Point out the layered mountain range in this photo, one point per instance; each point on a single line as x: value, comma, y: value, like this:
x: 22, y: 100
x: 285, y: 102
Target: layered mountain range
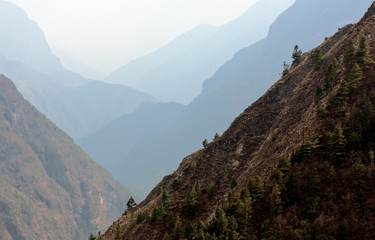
x: 298, y: 163
x: 76, y: 104
x: 176, y: 71
x: 232, y: 88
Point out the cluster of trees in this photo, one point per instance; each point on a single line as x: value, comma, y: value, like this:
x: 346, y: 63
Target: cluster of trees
x: 297, y: 58
x: 321, y: 191
x: 205, y: 142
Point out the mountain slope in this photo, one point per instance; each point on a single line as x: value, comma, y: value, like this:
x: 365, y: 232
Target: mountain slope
x: 241, y: 81
x: 319, y: 120
x: 77, y: 110
x: 110, y: 144
x: 179, y: 76
x: 73, y: 63
x: 30, y: 47
x: 50, y: 189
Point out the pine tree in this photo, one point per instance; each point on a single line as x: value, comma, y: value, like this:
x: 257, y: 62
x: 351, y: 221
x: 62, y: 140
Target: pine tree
x: 313, y: 182
x: 131, y: 204
x: 337, y: 144
x: 256, y: 187
x: 349, y: 56
x: 188, y: 230
x: 205, y: 143
x: 191, y: 199
x: 353, y: 77
x: 276, y: 200
x: 220, y: 225
x: 293, y: 184
x: 216, y: 136
x: 362, y: 54
x: 177, y: 229
x: 332, y: 174
x: 331, y: 73
x: 318, y: 60
x: 285, y: 69
x: 92, y: 237
x: 197, y: 187
x: 297, y: 55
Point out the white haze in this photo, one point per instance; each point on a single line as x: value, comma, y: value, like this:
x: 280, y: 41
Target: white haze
x: 106, y: 34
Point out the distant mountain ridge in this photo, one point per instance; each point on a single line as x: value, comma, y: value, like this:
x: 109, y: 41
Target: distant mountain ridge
x: 49, y: 188
x: 179, y: 76
x: 76, y: 104
x: 30, y: 47
x: 238, y: 83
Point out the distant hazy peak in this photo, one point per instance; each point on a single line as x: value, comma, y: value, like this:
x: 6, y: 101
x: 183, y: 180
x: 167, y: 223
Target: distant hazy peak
x: 22, y: 40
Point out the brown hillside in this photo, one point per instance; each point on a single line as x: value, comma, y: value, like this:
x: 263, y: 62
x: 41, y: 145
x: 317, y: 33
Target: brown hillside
x: 271, y: 128
x: 49, y: 188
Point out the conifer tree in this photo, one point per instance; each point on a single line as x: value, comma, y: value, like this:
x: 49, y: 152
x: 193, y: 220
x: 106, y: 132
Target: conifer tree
x: 317, y: 56
x: 216, y: 136
x: 349, y: 56
x: 331, y: 73
x: 92, y: 237
x: 313, y: 182
x: 293, y: 184
x: 131, y: 204
x: 177, y: 229
x: 332, y: 174
x: 188, y: 210
x: 188, y: 230
x: 276, y: 200
x: 197, y: 187
x: 256, y: 187
x: 205, y: 143
x: 362, y: 54
x: 297, y: 55
x: 337, y: 144
x: 354, y: 76
x: 285, y: 69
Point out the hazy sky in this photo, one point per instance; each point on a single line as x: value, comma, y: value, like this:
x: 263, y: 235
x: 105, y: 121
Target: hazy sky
x: 105, y: 34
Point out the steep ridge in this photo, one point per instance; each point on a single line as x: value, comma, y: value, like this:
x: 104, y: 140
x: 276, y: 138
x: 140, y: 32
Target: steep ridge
x: 179, y: 76
x: 241, y: 81
x: 49, y: 188
x: 319, y: 119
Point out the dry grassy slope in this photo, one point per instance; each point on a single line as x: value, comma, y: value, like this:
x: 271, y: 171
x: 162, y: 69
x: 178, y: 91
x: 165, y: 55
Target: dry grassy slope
x: 270, y: 128
x: 49, y: 188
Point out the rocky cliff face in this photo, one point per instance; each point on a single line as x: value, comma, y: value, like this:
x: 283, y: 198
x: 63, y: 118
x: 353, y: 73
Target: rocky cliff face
x: 49, y: 188
x: 311, y: 100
